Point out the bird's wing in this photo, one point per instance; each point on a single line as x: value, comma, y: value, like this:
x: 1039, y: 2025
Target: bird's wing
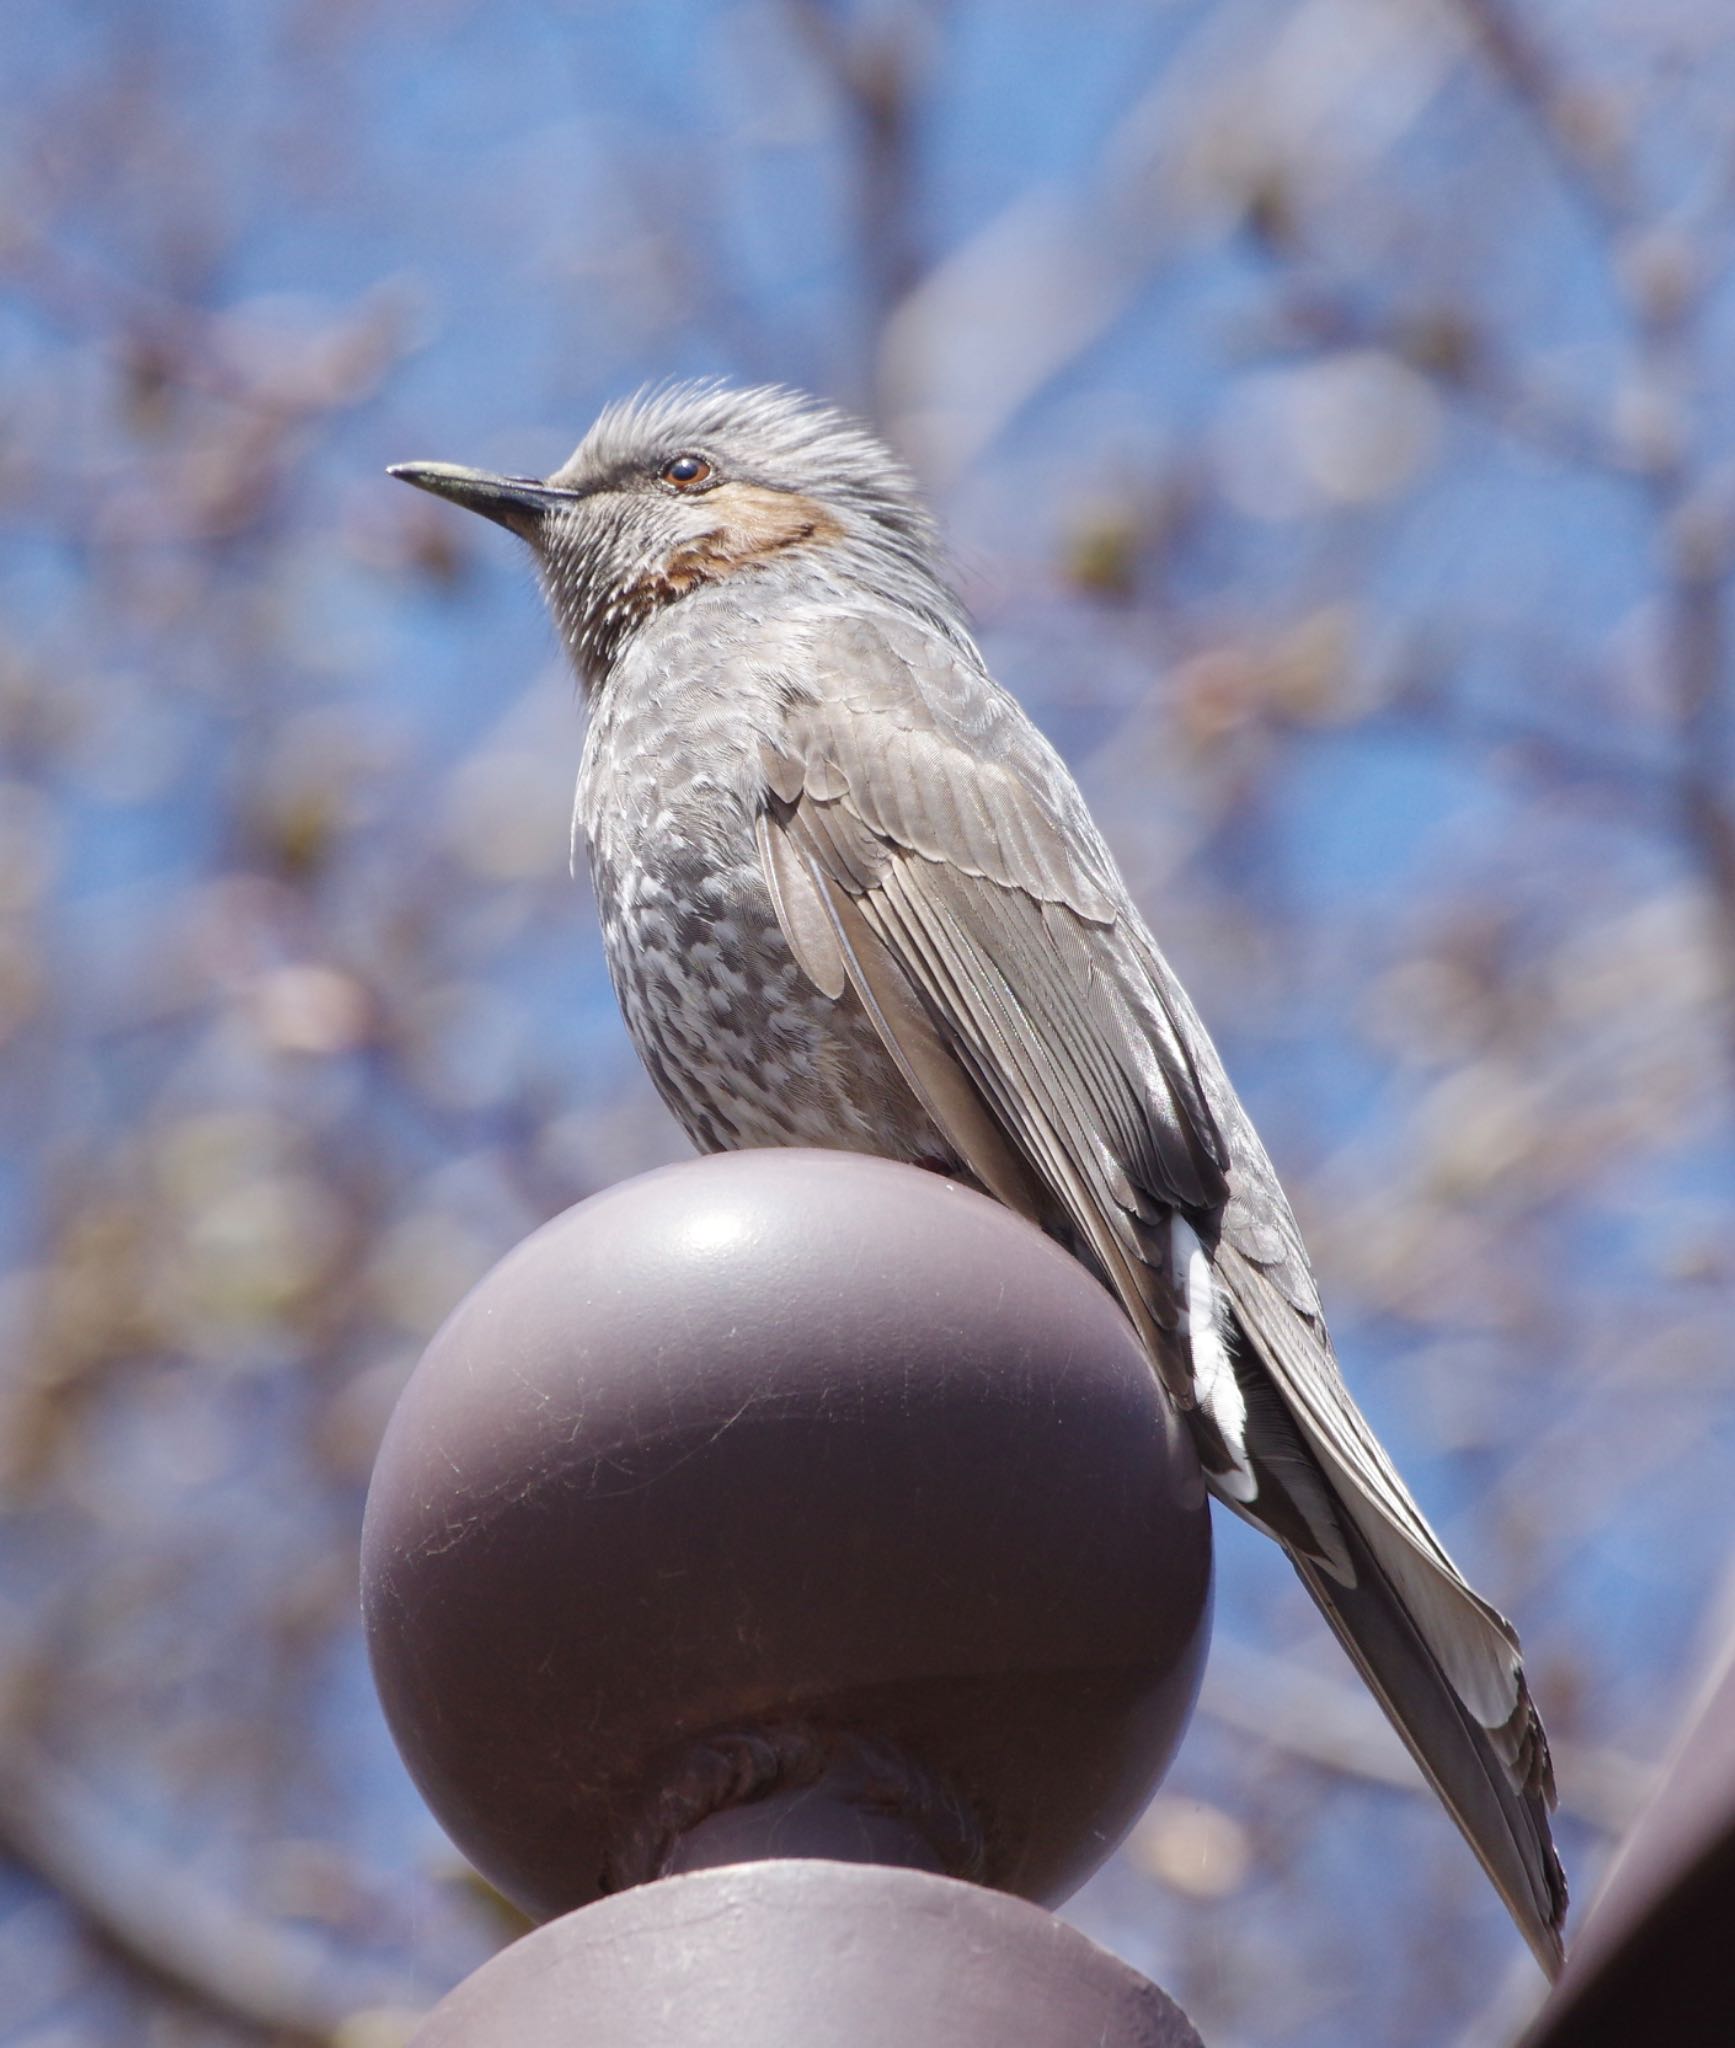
x: 949, y: 871
x: 926, y: 847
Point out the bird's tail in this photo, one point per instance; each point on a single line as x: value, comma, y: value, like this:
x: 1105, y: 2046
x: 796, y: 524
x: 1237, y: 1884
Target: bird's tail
x: 1495, y: 1782
x: 1299, y: 1461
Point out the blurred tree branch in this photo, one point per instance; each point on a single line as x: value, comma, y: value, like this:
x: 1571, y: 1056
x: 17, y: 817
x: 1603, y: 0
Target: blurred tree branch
x: 270, y: 1978
x: 1664, y: 292
x: 876, y: 72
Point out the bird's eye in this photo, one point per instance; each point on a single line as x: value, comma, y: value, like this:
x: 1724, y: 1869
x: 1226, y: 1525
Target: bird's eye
x: 685, y: 471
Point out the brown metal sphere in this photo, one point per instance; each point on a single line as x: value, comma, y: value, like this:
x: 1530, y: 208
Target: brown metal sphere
x: 791, y: 1955
x: 785, y: 1454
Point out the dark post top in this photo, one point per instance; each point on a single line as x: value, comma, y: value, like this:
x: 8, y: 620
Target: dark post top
x: 807, y: 1955
x: 793, y: 1477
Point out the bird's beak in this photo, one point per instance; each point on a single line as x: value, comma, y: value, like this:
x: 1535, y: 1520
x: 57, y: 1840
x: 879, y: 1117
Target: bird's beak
x: 516, y: 502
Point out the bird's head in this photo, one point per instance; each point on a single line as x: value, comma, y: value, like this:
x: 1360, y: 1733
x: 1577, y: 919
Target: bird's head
x: 693, y: 484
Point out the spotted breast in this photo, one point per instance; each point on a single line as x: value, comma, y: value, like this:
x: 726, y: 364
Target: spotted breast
x: 741, y: 1046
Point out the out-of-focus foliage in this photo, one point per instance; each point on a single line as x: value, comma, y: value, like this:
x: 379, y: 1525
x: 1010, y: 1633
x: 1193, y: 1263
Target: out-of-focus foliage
x: 1332, y: 403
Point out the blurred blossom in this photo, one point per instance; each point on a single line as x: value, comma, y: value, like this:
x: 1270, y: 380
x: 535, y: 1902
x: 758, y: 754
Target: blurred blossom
x: 1648, y: 424
x: 1103, y: 550
x: 1303, y: 676
x: 1310, y: 668
x: 1361, y: 425
x: 1346, y: 430
x: 1482, y: 1127
x: 1659, y: 267
x: 1193, y: 1848
x: 311, y: 1009
x: 247, y: 1254
x: 1430, y: 1010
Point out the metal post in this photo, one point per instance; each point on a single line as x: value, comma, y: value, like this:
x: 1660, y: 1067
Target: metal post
x: 779, y: 1570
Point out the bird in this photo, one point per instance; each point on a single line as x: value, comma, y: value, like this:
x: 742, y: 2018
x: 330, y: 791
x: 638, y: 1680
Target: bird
x: 851, y: 897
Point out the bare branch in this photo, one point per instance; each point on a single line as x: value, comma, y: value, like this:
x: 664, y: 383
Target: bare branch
x: 876, y: 75
x: 1697, y: 655
x: 1564, y: 121
x: 200, y: 1943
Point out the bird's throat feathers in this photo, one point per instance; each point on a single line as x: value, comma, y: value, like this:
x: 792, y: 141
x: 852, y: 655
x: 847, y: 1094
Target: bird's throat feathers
x: 752, y: 526
x: 603, y: 589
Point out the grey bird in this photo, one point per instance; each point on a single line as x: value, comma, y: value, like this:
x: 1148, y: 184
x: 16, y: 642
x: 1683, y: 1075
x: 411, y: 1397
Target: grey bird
x: 851, y: 897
